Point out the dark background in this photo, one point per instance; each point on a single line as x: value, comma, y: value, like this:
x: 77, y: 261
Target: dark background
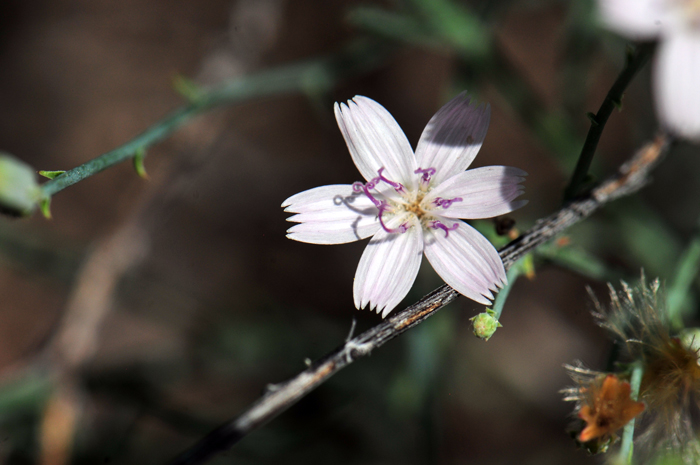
x: 145, y: 313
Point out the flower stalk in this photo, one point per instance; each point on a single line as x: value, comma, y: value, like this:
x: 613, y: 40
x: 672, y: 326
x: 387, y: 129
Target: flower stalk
x: 626, y: 447
x: 486, y: 323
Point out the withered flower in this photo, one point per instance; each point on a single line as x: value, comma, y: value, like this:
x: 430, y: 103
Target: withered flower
x: 608, y: 408
x: 670, y: 386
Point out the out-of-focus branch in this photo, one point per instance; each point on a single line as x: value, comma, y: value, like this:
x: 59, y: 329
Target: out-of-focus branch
x: 78, y: 336
x: 635, y: 61
x: 321, y: 73
x: 686, y: 273
x: 630, y: 177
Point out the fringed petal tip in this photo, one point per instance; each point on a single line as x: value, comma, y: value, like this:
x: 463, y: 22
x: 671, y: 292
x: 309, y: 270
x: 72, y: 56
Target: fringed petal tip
x: 375, y: 140
x: 332, y: 214
x: 466, y: 261
x: 383, y: 311
x: 387, y: 269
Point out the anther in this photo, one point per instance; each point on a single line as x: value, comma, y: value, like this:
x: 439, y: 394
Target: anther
x: 445, y: 203
x: 439, y: 225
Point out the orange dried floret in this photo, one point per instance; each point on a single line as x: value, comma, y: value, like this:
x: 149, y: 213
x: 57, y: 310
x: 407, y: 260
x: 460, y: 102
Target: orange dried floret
x: 607, y: 408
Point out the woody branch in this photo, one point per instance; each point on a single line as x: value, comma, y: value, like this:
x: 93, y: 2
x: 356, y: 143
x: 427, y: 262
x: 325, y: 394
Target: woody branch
x: 630, y: 177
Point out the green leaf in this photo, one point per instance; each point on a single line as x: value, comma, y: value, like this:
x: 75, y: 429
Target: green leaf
x: 45, y: 206
x: 457, y: 26
x: 393, y: 25
x: 138, y: 163
x: 51, y: 174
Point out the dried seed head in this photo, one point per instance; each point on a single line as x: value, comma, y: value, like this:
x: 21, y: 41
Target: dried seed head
x: 670, y: 386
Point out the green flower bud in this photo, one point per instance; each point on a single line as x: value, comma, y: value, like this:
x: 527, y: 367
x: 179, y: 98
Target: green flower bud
x: 485, y: 324
x: 19, y: 190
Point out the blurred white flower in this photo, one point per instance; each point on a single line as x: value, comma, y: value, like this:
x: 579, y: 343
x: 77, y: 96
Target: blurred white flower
x: 676, y: 23
x: 411, y: 203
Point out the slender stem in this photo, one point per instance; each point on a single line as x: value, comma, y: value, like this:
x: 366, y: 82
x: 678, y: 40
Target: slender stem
x: 154, y: 134
x: 513, y: 274
x: 625, y: 456
x: 631, y: 176
x: 682, y: 282
x: 635, y: 62
x: 321, y: 73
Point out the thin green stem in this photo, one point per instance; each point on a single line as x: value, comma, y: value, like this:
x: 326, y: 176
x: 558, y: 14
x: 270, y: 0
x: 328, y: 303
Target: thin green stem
x: 314, y: 75
x: 513, y: 274
x: 486, y: 323
x: 687, y: 271
x: 625, y: 456
x: 635, y: 61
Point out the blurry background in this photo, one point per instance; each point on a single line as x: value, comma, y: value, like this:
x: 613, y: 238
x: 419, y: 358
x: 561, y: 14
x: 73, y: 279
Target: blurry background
x: 145, y: 313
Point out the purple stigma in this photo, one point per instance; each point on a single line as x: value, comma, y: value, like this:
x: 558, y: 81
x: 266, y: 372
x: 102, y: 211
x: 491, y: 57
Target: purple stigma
x: 438, y: 225
x: 446, y: 203
x: 398, y: 187
x: 427, y: 173
x: 381, y: 205
x: 400, y: 230
x: 359, y: 187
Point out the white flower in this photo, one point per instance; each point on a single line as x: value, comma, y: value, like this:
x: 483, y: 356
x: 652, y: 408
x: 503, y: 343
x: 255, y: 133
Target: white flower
x: 676, y: 23
x: 411, y: 202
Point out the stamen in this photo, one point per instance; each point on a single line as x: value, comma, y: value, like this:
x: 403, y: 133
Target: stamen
x: 425, y: 179
x: 445, y: 203
x: 438, y: 225
x: 400, y: 230
x: 398, y: 187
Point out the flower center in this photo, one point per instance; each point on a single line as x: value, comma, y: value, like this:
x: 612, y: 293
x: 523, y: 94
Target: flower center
x: 411, y: 204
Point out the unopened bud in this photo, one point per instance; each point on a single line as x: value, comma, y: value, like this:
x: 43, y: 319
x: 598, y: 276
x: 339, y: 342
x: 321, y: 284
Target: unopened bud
x: 19, y: 190
x: 485, y: 324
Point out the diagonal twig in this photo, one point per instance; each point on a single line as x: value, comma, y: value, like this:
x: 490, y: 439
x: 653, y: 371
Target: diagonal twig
x: 635, y: 62
x: 322, y: 72
x: 630, y: 177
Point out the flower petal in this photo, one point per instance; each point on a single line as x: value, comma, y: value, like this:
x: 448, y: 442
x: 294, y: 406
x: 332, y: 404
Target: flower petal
x: 387, y: 269
x: 453, y: 137
x: 331, y: 215
x: 466, y: 261
x: 636, y: 19
x: 485, y: 192
x: 677, y: 84
x: 376, y: 141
